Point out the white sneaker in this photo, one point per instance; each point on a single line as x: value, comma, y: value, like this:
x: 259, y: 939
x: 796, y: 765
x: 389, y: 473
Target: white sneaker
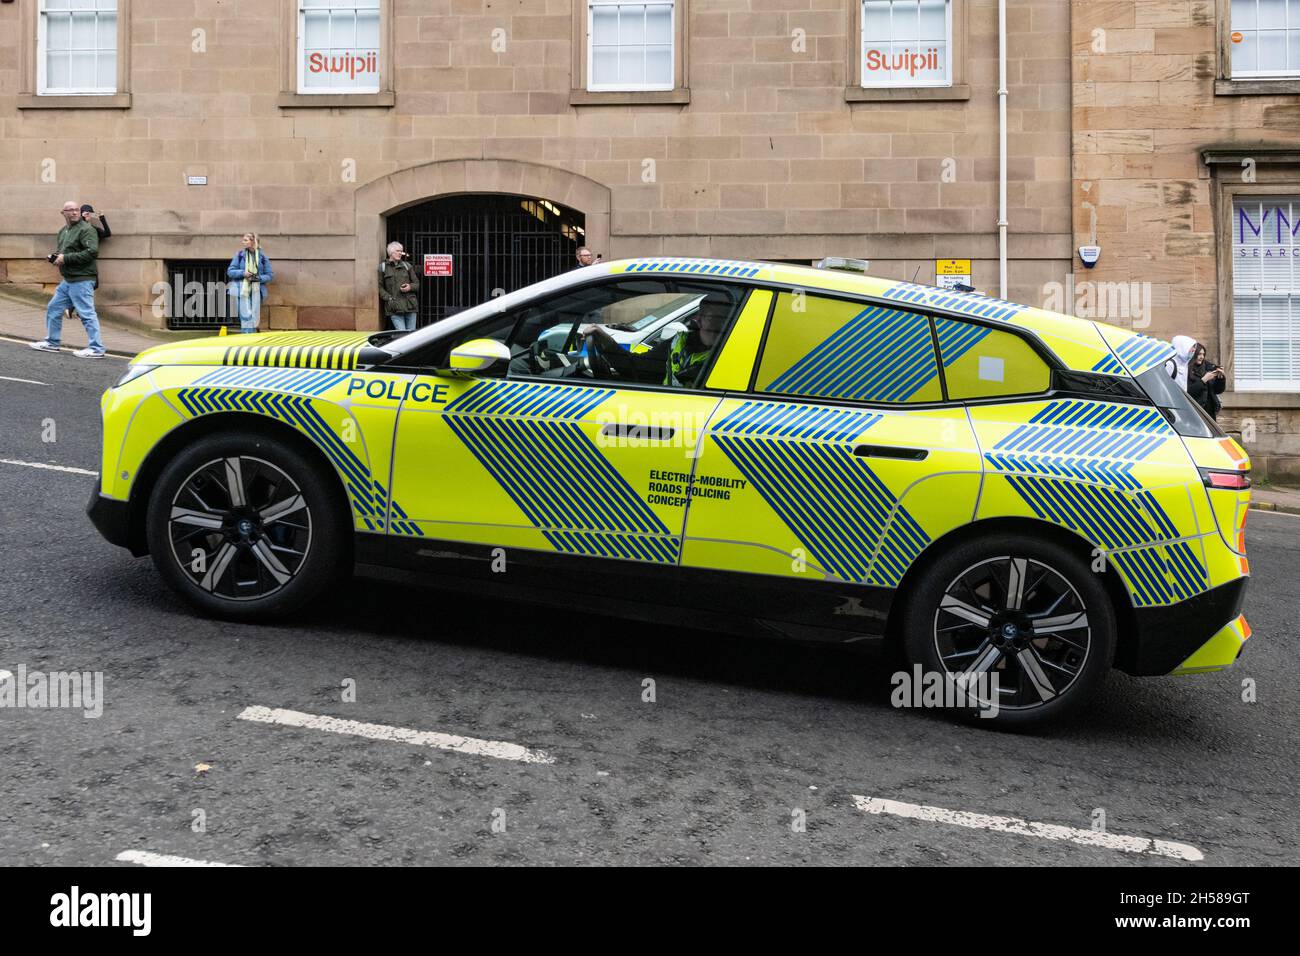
x: 44, y: 346
x: 88, y: 353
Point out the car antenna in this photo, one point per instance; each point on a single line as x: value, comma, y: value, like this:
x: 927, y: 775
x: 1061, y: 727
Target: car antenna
x: 915, y: 274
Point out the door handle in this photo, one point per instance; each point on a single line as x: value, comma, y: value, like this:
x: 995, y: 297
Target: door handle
x: 638, y: 432
x: 891, y: 451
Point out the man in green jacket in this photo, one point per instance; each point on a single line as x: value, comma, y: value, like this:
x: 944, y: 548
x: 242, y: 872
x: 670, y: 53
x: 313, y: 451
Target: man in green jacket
x: 399, y: 288
x: 75, y: 252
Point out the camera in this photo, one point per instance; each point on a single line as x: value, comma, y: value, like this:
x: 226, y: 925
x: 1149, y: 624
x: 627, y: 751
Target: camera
x: 51, y: 257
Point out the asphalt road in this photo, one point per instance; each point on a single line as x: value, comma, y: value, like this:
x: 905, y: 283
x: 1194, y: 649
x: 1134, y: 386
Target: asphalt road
x: 741, y: 737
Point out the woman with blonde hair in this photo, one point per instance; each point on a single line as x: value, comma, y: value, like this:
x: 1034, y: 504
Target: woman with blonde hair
x: 248, y: 274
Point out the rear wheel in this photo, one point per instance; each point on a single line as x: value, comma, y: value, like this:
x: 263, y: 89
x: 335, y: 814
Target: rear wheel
x: 1019, y: 622
x: 245, y: 527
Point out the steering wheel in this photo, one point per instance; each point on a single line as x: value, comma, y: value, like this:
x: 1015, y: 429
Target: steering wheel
x: 607, y: 359
x: 542, y: 358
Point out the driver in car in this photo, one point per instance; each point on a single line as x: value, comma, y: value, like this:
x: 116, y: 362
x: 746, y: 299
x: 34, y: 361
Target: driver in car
x: 683, y: 357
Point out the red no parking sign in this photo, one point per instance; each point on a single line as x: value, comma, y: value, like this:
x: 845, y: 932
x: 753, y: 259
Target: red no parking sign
x: 437, y: 265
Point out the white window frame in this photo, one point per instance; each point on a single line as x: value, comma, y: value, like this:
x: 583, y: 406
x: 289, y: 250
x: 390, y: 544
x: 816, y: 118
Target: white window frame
x: 595, y: 87
x: 303, y: 89
x: 1292, y: 296
x: 1263, y: 74
x: 895, y: 84
x: 42, y: 54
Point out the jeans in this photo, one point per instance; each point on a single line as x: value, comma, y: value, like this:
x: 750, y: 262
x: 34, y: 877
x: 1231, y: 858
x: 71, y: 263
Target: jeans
x: 81, y: 297
x: 250, y: 311
x: 403, y: 321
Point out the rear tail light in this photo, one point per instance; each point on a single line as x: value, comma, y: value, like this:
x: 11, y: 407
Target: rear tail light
x: 1229, y: 480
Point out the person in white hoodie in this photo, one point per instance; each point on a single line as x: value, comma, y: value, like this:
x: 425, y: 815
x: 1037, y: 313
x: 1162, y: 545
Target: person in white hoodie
x: 1184, y: 349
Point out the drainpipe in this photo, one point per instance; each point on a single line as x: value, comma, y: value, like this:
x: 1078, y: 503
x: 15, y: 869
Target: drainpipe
x: 1002, y: 149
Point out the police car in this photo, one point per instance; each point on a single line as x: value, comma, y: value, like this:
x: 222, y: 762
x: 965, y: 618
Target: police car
x: 994, y: 490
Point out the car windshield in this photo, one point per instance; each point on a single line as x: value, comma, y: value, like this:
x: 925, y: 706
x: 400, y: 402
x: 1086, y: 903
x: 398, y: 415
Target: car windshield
x: 1187, y: 417
x: 676, y: 304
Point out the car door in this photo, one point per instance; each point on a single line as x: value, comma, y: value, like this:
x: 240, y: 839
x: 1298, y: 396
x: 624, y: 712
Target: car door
x: 824, y: 481
x: 556, y: 461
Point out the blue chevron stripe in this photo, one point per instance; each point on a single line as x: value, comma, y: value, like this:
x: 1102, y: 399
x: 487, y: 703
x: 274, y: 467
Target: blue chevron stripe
x: 298, y: 411
x: 1102, y: 415
x: 612, y: 545
x: 1102, y: 471
x: 309, y: 381
x: 832, y: 502
x: 880, y: 354
x: 698, y: 266
x: 1162, y: 575
x: 553, y: 473
x: 528, y: 399
x: 957, y: 338
x: 778, y: 420
x: 1110, y: 365
x: 1140, y: 353
x: 966, y: 303
x: 1086, y: 442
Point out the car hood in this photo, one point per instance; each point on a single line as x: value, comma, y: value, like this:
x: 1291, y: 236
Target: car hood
x: 337, y: 350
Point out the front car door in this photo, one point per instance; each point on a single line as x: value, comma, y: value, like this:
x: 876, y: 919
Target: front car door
x: 583, y: 450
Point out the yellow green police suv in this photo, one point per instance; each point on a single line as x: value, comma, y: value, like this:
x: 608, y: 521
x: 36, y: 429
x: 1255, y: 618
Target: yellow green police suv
x: 991, y: 489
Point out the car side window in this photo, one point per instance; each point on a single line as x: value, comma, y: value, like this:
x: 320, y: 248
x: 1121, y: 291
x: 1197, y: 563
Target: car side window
x: 980, y: 362
x: 831, y: 348
x: 646, y: 331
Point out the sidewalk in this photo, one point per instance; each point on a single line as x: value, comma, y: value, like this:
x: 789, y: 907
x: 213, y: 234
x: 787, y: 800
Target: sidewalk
x: 1275, y: 498
x: 23, y: 317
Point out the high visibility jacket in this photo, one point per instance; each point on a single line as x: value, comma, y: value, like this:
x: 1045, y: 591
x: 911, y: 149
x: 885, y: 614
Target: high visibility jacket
x: 685, y: 360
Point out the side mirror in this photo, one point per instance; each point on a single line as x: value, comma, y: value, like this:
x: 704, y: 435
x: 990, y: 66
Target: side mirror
x: 479, y: 357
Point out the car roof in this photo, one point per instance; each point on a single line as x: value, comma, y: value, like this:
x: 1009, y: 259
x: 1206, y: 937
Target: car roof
x: 1079, y: 344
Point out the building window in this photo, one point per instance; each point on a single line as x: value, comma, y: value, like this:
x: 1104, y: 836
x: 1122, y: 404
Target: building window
x: 1265, y: 38
x: 338, y: 46
x: 906, y: 43
x: 1266, y: 293
x: 77, y: 47
x: 630, y: 45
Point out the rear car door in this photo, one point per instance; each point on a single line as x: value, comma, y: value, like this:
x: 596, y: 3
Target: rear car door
x: 833, y: 471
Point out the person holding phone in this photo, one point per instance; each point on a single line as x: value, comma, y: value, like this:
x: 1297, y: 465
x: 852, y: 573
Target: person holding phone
x: 1205, y: 381
x: 248, y: 275
x: 399, y: 289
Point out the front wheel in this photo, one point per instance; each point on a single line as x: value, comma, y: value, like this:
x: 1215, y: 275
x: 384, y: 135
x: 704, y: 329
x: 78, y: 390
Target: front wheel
x: 244, y: 527
x: 1024, y: 625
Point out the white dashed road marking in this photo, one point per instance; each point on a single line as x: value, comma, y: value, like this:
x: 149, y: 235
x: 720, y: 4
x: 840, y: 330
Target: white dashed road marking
x: 25, y: 381
x: 144, y: 858
x: 420, y: 738
x: 37, y: 464
x: 1045, y: 831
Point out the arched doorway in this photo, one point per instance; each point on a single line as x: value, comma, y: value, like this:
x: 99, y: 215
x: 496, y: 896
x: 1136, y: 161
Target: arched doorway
x: 469, y: 245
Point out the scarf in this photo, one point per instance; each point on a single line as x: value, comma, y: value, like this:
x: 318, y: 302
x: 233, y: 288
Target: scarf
x: 252, y: 257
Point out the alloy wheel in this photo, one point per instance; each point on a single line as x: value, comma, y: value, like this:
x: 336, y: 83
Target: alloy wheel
x: 1018, y: 619
x: 239, y: 528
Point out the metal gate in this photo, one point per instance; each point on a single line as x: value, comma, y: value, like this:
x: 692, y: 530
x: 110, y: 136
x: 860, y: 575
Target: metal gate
x: 197, y: 295
x: 495, y: 242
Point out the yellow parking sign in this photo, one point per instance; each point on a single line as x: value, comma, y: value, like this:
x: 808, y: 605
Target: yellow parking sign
x: 951, y: 272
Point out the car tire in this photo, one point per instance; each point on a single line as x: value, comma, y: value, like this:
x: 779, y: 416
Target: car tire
x: 259, y: 552
x: 1051, y: 643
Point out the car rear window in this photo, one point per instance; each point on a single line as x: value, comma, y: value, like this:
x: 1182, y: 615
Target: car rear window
x: 1187, y: 417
